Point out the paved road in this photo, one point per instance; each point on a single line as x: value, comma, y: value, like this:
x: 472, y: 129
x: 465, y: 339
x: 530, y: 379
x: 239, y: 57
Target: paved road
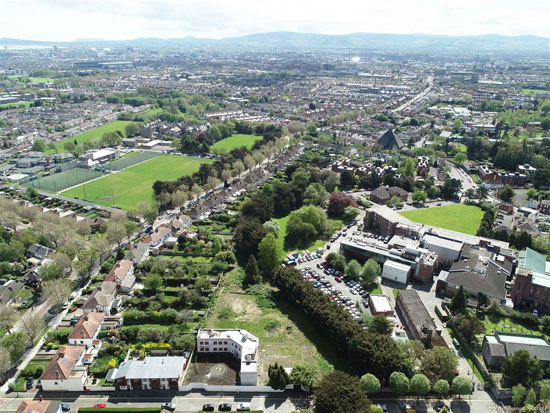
x: 279, y: 403
x: 416, y: 98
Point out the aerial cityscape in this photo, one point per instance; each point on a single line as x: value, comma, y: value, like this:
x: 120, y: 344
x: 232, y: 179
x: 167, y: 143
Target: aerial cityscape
x: 295, y: 207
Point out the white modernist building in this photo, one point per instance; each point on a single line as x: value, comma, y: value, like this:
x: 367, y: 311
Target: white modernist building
x: 396, y: 271
x: 240, y: 343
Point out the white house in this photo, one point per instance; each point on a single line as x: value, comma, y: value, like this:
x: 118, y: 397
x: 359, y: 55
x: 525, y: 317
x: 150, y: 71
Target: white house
x: 66, y: 371
x: 396, y: 271
x: 240, y: 343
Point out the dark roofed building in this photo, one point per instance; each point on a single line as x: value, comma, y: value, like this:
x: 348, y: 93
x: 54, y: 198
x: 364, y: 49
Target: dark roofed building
x: 417, y: 320
x: 477, y: 270
x: 389, y: 141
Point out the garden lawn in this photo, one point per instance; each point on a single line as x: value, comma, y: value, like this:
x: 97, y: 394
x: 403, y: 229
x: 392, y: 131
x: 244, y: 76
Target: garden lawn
x: 457, y: 217
x: 93, y: 134
x: 236, y: 141
x: 126, y: 188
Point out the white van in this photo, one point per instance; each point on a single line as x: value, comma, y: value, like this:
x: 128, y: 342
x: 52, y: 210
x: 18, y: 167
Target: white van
x: 243, y: 407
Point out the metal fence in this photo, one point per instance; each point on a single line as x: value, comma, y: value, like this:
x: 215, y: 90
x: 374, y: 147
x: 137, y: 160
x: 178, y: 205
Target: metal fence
x: 127, y: 161
x: 66, y: 179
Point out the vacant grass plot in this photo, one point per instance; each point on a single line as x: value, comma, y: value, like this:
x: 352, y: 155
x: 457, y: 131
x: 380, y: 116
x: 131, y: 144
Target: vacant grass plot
x: 457, y: 217
x: 235, y: 141
x: 93, y: 135
x: 533, y: 92
x: 286, y: 335
x: 18, y: 105
x: 126, y: 188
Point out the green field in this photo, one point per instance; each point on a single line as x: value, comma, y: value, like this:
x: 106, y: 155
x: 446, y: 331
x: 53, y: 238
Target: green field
x: 457, y: 217
x: 235, y: 141
x: 18, y: 104
x: 32, y: 79
x: 533, y: 92
x: 93, y: 135
x: 126, y: 188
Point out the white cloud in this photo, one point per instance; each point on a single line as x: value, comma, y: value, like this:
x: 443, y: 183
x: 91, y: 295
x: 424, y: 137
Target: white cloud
x: 60, y: 20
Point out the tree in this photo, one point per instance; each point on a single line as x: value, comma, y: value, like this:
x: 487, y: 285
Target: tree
x: 337, y: 203
x: 419, y: 196
x: 132, y: 130
x: 531, y: 397
x: 441, y: 387
x: 370, y: 383
x: 248, y: 235
x: 506, y: 193
x: 304, y: 374
x: 482, y: 192
x: 459, y: 300
x: 49, y: 272
x: 278, y: 378
x: 32, y: 325
x: 461, y: 385
x: 337, y: 261
x: 482, y: 299
x: 5, y: 362
x: 469, y: 327
x: 251, y: 272
x: 269, y: 252
x: 57, y: 292
x: 338, y: 392
x: 16, y: 344
x: 347, y: 178
x: 420, y: 384
x: 153, y: 282
x: 399, y: 383
x: 350, y: 213
x: 39, y: 145
x: 460, y: 158
x: 439, y: 363
x: 214, y: 133
x: 315, y: 194
x: 87, y: 260
x: 520, y: 368
x: 8, y: 316
x: 394, y: 201
x: 69, y: 147
x: 273, y: 227
x: 470, y: 194
x: 115, y: 234
x: 371, y: 271
x: 379, y: 324
x: 545, y: 390
x: 545, y: 124
x: 353, y: 270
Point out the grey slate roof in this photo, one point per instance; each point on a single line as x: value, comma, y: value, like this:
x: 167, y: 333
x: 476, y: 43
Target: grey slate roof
x: 151, y: 368
x: 389, y: 141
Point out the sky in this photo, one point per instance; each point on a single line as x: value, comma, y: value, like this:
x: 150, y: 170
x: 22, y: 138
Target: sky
x: 67, y: 20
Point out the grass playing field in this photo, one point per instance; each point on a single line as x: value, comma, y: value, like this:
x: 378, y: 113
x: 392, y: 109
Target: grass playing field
x: 457, y: 217
x: 126, y: 188
x: 32, y: 79
x: 93, y: 135
x: 533, y: 92
x: 235, y: 141
x: 18, y: 104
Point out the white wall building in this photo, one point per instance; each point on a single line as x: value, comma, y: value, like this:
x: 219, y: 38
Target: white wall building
x: 240, y: 343
x: 396, y: 271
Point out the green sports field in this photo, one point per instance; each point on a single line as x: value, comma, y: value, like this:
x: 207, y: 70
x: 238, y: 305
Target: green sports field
x: 126, y: 188
x: 457, y: 217
x: 533, y: 92
x: 94, y: 134
x: 235, y: 141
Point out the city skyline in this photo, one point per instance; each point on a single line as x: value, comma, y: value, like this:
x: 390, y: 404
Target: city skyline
x: 69, y: 20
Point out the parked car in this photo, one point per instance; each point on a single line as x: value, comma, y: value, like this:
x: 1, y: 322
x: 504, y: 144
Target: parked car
x: 65, y: 407
x: 243, y: 407
x: 168, y: 406
x: 100, y: 405
x: 208, y: 408
x: 409, y: 407
x: 224, y: 407
x: 30, y: 383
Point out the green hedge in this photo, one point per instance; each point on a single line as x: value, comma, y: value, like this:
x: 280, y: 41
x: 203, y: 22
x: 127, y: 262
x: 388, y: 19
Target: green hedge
x: 119, y: 409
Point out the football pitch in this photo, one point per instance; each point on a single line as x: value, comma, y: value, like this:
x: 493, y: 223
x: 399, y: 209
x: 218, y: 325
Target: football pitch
x: 457, y: 217
x: 126, y: 188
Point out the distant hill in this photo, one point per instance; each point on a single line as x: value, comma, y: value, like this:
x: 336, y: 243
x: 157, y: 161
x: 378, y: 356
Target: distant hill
x: 353, y: 41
